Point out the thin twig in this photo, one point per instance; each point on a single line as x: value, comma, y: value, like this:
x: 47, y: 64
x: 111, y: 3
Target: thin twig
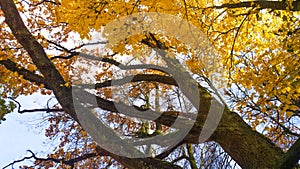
x: 47, y: 110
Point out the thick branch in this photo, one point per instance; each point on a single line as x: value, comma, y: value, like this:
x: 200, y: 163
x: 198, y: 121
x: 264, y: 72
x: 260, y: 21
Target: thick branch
x: 247, y: 147
x: 275, y: 5
x: 28, y: 75
x: 291, y: 157
x: 133, y: 78
x: 191, y: 157
x: 38, y: 55
x: 167, y: 118
x: 62, y: 93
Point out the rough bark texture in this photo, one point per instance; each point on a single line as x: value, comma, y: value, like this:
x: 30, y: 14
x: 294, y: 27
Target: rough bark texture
x: 56, y: 82
x: 247, y: 147
x: 275, y: 5
x: 291, y: 158
x: 38, y: 55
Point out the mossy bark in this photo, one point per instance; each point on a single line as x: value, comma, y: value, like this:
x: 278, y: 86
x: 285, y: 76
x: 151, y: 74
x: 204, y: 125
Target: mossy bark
x: 247, y: 147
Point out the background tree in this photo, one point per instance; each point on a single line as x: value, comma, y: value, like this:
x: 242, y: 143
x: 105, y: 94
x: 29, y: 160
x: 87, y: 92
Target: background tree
x: 258, y: 42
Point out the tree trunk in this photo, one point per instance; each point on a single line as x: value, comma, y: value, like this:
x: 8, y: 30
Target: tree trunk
x: 247, y: 147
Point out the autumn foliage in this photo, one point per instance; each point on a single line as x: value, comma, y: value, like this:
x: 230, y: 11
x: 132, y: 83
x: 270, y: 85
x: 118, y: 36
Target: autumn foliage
x: 258, y: 44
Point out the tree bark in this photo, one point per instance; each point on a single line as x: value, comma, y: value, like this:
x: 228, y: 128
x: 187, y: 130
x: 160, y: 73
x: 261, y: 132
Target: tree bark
x: 56, y: 81
x: 248, y: 148
x: 275, y: 5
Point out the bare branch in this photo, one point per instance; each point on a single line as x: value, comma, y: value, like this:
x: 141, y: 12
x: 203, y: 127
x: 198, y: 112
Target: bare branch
x: 69, y: 162
x: 47, y: 110
x: 62, y: 48
x: 112, y: 61
x: 17, y: 161
x: 234, y: 40
x: 122, y: 66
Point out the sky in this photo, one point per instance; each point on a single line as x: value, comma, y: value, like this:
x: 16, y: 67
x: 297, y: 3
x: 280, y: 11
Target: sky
x: 22, y: 132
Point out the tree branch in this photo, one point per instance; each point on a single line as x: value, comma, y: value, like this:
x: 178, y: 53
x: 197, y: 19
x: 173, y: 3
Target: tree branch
x: 61, y: 92
x: 234, y: 41
x: 47, y: 110
x: 133, y: 78
x: 38, y: 56
x: 102, y: 59
x: 233, y: 134
x: 291, y: 157
x: 62, y: 48
x: 166, y: 118
x: 69, y: 162
x: 122, y: 66
x: 275, y: 5
x: 28, y: 75
x: 249, y: 148
x: 17, y: 161
x: 191, y: 157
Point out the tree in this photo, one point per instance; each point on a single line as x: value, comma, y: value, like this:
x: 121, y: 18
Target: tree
x: 258, y: 42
